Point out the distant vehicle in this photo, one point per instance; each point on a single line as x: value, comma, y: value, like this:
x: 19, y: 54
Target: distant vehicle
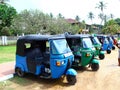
x: 45, y: 56
x: 98, y: 46
x: 105, y: 43
x: 111, y: 42
x: 83, y: 50
x: 114, y: 39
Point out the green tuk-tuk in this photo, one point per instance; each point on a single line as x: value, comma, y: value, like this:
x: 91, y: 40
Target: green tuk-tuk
x: 97, y: 45
x: 83, y: 50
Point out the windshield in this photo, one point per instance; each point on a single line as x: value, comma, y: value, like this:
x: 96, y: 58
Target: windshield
x: 96, y: 41
x: 60, y: 47
x: 111, y: 39
x: 106, y: 41
x: 87, y: 43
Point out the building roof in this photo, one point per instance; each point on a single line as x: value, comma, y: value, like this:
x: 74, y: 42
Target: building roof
x: 71, y: 20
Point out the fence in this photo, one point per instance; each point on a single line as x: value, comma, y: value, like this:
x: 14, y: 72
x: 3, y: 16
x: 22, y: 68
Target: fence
x: 8, y: 40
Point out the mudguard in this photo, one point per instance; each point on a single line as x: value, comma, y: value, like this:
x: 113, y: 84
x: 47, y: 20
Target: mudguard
x: 71, y: 72
x: 102, y: 52
x: 95, y: 61
x: 20, y: 66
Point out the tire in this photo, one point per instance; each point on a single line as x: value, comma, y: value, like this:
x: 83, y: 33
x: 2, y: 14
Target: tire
x: 113, y: 48
x: 19, y: 72
x: 94, y: 66
x: 71, y: 79
x: 101, y: 56
x: 108, y: 51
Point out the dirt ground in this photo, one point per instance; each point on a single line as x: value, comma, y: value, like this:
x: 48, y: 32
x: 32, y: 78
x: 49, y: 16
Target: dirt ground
x: 106, y: 78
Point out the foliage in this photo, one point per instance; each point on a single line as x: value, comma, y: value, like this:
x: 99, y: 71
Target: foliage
x: 101, y: 5
x: 117, y: 21
x: 3, y: 1
x: 91, y: 16
x: 28, y: 22
x: 82, y: 25
x: 77, y: 18
x: 7, y: 13
x: 111, y: 27
x: 35, y: 21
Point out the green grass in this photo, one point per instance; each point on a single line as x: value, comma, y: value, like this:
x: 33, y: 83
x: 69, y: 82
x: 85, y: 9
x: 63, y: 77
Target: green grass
x: 7, y: 53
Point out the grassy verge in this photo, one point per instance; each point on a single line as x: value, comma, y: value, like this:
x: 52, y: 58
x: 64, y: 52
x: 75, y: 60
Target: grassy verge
x: 7, y: 53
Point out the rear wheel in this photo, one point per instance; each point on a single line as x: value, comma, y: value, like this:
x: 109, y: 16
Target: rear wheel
x: 101, y: 56
x: 19, y: 72
x: 113, y: 48
x: 108, y: 51
x: 71, y: 79
x: 94, y: 66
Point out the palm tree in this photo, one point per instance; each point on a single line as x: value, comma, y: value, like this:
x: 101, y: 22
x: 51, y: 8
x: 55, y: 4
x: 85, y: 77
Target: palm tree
x: 77, y: 18
x: 101, y: 5
x: 60, y: 15
x: 91, y: 16
x: 4, y: 1
x: 111, y: 16
x: 51, y: 15
x: 101, y: 16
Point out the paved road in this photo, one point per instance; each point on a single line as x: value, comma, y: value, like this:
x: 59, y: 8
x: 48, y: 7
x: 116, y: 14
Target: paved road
x: 6, y: 69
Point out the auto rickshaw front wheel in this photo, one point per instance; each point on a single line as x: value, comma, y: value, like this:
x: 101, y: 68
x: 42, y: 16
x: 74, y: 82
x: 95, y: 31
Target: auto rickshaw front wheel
x: 71, y: 79
x: 101, y: 56
x: 19, y: 72
x: 108, y: 51
x: 94, y: 66
x: 113, y: 48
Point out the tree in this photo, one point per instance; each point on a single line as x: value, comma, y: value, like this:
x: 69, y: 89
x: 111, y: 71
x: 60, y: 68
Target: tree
x: 35, y: 21
x: 31, y: 22
x: 101, y: 5
x: 91, y: 16
x: 111, y: 16
x: 117, y: 21
x: 60, y: 15
x: 7, y: 13
x: 111, y: 27
x: 51, y: 15
x: 77, y: 18
x: 3, y: 1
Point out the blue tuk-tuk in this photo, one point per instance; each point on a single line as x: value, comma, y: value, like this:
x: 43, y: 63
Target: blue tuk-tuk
x: 45, y: 56
x: 105, y: 43
x: 111, y: 42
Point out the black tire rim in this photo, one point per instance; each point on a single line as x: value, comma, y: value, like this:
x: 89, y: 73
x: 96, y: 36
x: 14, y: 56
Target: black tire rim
x: 101, y: 56
x: 108, y: 51
x: 95, y: 66
x: 19, y: 72
x: 71, y: 79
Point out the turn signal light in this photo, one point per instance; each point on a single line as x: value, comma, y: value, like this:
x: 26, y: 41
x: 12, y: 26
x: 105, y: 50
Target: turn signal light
x: 58, y: 63
x: 88, y: 54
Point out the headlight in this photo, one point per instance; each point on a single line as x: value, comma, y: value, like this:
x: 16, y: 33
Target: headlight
x: 59, y: 63
x: 97, y: 48
x: 87, y: 54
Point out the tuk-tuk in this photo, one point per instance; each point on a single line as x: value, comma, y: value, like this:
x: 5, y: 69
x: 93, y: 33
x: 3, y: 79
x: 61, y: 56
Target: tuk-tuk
x: 105, y: 43
x: 45, y: 56
x: 111, y: 42
x: 98, y: 46
x: 114, y: 39
x: 83, y: 51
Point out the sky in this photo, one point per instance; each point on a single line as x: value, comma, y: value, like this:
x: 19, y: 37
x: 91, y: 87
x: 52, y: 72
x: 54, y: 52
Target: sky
x: 69, y: 8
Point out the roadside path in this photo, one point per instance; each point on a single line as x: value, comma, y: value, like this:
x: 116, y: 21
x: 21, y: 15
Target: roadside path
x: 6, y: 70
